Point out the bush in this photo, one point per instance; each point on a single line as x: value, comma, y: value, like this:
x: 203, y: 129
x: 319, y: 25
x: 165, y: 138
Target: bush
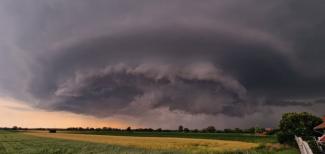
x: 299, y: 124
x: 286, y: 138
x: 313, y: 146
x: 209, y: 129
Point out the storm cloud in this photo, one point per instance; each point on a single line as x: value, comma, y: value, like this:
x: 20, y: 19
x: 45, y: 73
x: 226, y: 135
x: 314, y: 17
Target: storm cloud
x: 159, y: 61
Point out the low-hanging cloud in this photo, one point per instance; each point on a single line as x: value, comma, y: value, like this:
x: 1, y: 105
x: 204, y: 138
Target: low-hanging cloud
x: 196, y: 88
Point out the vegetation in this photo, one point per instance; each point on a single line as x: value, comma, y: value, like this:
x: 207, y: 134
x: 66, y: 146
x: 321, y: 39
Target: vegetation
x: 147, y: 140
x: 157, y: 143
x: 209, y: 129
x: 217, y: 136
x: 17, y: 142
x: 299, y: 124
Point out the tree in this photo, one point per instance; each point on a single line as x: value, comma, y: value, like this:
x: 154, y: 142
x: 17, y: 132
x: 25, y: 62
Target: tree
x: 186, y: 130
x: 209, y: 129
x: 128, y: 129
x: 250, y: 130
x: 238, y: 130
x: 14, y: 128
x: 159, y: 130
x: 228, y: 130
x: 299, y: 124
x: 180, y: 128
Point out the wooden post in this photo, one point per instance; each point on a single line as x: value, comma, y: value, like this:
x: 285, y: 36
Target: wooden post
x: 303, y: 146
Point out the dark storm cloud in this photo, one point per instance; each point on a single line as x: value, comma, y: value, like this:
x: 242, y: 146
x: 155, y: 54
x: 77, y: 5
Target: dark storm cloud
x: 164, y: 58
x: 189, y: 88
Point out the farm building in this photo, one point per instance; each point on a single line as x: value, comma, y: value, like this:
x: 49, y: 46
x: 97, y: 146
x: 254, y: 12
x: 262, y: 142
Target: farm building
x: 321, y: 128
x: 322, y: 139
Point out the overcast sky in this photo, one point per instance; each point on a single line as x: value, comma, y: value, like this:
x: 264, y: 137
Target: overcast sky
x: 227, y: 63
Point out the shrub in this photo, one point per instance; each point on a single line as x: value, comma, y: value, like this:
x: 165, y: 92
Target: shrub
x: 299, y: 124
x: 286, y: 138
x: 313, y: 146
x: 209, y: 129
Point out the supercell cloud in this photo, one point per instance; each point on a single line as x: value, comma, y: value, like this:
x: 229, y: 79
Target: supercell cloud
x: 228, y: 63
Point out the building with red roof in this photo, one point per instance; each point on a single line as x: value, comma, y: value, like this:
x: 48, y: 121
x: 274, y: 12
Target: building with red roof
x: 322, y: 138
x: 321, y: 126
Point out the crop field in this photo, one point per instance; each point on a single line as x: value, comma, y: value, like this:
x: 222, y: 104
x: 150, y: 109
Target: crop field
x: 57, y: 143
x: 157, y: 143
x: 217, y: 136
x: 19, y: 143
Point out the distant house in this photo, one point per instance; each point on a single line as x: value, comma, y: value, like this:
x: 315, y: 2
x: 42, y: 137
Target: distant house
x: 268, y: 129
x: 322, y: 139
x: 321, y: 128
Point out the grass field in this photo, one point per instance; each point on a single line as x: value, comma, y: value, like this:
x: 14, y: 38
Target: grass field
x: 157, y: 143
x: 58, y: 143
x: 19, y: 143
x: 217, y: 136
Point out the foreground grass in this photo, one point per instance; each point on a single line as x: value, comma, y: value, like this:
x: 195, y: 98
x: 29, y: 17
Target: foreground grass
x: 157, y: 143
x: 216, y: 136
x: 16, y: 142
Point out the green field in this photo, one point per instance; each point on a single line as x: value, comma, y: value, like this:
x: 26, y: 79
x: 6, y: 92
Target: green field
x: 217, y: 136
x: 22, y: 143
x: 19, y: 143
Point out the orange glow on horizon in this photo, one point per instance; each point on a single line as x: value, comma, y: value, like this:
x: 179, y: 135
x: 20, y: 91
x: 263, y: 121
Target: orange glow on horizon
x: 16, y: 113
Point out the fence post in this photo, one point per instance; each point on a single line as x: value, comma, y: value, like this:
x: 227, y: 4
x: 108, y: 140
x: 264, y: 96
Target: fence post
x: 303, y: 146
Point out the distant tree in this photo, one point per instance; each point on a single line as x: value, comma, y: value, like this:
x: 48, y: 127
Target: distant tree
x: 159, y: 130
x: 14, y: 128
x: 180, y: 128
x: 52, y: 130
x: 250, y: 130
x: 195, y: 130
x: 228, y: 130
x: 186, y: 130
x: 219, y: 131
x: 80, y: 128
x: 238, y: 130
x: 128, y: 129
x: 299, y: 124
x: 109, y: 129
x: 209, y: 129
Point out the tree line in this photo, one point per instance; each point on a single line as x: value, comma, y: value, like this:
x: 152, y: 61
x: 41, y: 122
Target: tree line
x: 209, y: 129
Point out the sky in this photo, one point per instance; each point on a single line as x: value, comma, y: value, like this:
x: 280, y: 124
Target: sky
x: 160, y: 64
